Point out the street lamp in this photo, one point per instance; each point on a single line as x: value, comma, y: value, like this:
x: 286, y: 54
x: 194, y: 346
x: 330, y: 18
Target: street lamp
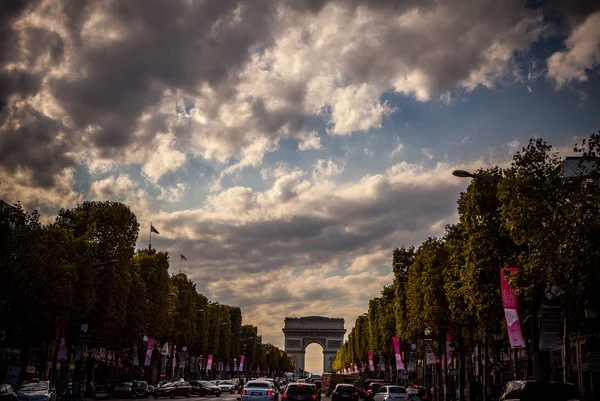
x: 106, y: 262
x: 466, y: 174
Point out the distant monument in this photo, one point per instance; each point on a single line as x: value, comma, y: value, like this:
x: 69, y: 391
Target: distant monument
x: 299, y: 332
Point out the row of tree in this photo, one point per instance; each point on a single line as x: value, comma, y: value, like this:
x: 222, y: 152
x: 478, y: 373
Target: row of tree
x: 529, y: 216
x: 83, y: 269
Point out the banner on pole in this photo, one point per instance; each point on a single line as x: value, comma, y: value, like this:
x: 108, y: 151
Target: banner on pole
x: 510, y: 301
x: 429, y: 354
x: 550, y: 326
x: 449, y: 339
x: 62, y: 349
x: 149, y: 350
x: 399, y: 362
x: 136, y: 361
x: 371, y: 364
x: 209, y: 362
x: 411, y: 361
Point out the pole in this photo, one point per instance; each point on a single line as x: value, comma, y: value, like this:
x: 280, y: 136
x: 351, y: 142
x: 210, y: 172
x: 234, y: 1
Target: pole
x: 150, y: 245
x: 180, y: 264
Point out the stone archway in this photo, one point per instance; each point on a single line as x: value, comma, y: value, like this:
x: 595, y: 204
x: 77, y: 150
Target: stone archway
x: 299, y: 332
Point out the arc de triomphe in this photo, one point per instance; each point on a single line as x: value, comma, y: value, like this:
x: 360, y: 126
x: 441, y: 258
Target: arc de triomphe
x: 299, y: 332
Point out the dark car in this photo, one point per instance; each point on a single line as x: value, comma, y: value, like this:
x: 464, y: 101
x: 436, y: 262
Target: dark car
x: 204, y: 388
x: 371, y: 388
x: 173, y: 390
x: 530, y: 390
x: 124, y: 390
x: 300, y: 392
x: 7, y: 393
x: 344, y: 392
x: 140, y: 389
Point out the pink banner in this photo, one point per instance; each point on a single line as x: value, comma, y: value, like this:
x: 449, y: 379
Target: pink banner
x: 149, y: 350
x: 399, y: 363
x: 355, y: 368
x: 242, y: 359
x: 62, y: 349
x: 209, y: 363
x: 511, y: 309
x: 371, y: 364
x: 449, y: 340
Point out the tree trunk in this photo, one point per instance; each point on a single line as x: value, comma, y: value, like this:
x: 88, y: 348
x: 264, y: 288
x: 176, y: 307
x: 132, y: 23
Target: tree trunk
x: 463, y: 361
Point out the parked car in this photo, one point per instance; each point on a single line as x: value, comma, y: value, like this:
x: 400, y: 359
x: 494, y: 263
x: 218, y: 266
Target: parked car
x: 7, y: 393
x: 36, y: 389
x: 226, y: 386
x: 124, y: 390
x: 259, y: 390
x: 344, y: 392
x: 174, y: 389
x: 530, y: 390
x: 391, y: 393
x: 140, y: 389
x: 301, y: 392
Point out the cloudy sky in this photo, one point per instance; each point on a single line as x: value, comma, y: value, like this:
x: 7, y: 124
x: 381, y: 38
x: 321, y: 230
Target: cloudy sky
x: 285, y: 147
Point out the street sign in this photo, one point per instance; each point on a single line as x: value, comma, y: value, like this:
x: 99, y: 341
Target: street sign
x: 452, y: 371
x: 593, y: 361
x: 404, y: 374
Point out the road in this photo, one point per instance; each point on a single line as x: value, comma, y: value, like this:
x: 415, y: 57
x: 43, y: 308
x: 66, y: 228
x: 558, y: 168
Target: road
x: 223, y: 397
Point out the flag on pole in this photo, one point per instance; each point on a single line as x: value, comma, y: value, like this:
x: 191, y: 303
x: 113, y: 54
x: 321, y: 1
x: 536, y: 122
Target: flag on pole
x: 183, y: 258
x: 153, y: 230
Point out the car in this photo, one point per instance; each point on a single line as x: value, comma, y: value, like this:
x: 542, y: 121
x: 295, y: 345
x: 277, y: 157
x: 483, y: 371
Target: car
x: 124, y: 390
x: 141, y: 389
x: 391, y: 393
x: 301, y: 392
x: 173, y: 390
x: 344, y: 392
x: 7, y: 393
x: 259, y: 390
x: 226, y: 386
x: 371, y: 388
x: 37, y: 390
x: 530, y: 390
x: 204, y: 388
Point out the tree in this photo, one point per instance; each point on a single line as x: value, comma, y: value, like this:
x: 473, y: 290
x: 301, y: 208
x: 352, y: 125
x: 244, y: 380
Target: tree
x: 153, y: 268
x: 111, y: 229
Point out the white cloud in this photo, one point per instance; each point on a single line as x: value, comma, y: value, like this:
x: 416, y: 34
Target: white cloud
x: 173, y: 194
x: 581, y: 56
x: 163, y: 158
x: 513, y: 146
x: 427, y: 153
x: 399, y: 149
x: 327, y: 168
x: 309, y: 140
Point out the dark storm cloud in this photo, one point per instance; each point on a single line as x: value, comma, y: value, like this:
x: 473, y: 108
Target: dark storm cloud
x: 565, y: 14
x: 393, y: 216
x: 32, y: 144
x: 16, y: 81
x: 175, y: 45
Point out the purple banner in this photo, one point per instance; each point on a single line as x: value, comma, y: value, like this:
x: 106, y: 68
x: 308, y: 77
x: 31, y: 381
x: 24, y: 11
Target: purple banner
x: 371, y: 364
x: 149, y: 350
x: 62, y: 349
x: 510, y: 301
x: 399, y: 363
x: 209, y: 363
